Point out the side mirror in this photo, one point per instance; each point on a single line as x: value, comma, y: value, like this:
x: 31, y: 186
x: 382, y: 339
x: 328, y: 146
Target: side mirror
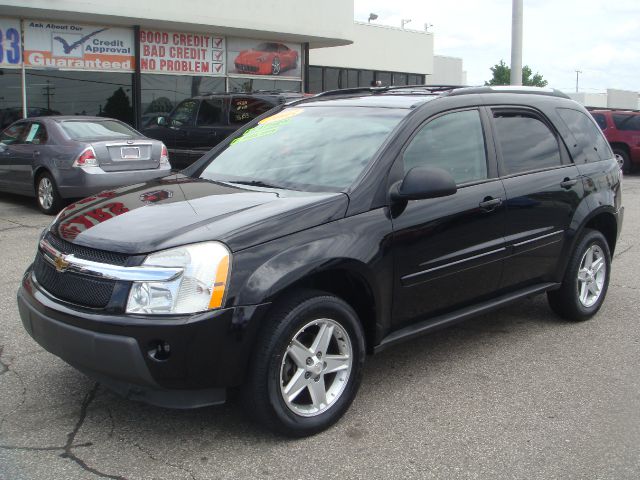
x: 162, y: 121
x: 424, y: 182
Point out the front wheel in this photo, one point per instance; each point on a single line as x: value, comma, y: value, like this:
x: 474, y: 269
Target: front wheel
x: 586, y: 280
x: 307, y: 366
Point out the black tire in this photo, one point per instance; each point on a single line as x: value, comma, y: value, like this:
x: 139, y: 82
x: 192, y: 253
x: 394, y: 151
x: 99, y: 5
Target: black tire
x: 626, y: 161
x: 49, y: 205
x: 276, y: 66
x: 566, y: 300
x: 262, y: 393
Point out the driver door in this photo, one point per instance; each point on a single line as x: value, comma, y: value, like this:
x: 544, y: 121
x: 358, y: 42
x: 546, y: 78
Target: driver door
x: 10, y: 141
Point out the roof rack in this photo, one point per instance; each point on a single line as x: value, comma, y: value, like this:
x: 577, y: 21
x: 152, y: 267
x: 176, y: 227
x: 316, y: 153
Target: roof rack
x: 611, y: 109
x: 425, y: 89
x: 521, y: 89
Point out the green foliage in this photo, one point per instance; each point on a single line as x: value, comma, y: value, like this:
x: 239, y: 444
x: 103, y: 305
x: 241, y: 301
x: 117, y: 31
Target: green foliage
x: 502, y: 76
x: 160, y: 104
x: 118, y: 107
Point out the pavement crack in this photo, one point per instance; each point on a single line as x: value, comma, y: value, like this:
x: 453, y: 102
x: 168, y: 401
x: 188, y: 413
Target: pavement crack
x: 18, y: 225
x: 4, y: 367
x: 152, y: 457
x: 624, y: 286
x: 619, y: 253
x: 42, y: 449
x: 68, y: 447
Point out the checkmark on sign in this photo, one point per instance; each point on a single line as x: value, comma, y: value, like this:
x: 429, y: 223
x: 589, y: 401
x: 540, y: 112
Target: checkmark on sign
x: 218, y: 67
x: 218, y: 55
x: 217, y: 41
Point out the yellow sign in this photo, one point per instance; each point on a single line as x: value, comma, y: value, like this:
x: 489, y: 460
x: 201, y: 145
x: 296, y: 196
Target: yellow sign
x: 283, y: 115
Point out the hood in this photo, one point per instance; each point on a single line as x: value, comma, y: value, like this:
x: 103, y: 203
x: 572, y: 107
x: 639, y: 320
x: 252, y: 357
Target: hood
x: 253, y: 55
x: 178, y: 210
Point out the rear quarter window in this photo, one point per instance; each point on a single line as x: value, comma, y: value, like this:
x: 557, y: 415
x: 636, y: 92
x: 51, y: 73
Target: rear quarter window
x: 600, y: 119
x: 626, y: 122
x: 591, y: 144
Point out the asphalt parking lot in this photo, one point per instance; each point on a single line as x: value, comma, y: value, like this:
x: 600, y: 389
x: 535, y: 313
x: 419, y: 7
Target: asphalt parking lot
x: 515, y: 394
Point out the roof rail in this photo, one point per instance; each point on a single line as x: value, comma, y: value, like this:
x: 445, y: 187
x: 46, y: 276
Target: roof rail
x: 427, y: 89
x: 510, y: 89
x: 611, y: 109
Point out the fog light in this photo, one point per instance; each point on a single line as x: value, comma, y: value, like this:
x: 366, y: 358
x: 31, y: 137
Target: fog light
x: 160, y: 350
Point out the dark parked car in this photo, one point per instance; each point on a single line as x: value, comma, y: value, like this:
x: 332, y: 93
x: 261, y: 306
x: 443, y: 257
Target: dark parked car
x: 198, y: 124
x: 57, y: 158
x: 339, y: 226
x: 622, y: 130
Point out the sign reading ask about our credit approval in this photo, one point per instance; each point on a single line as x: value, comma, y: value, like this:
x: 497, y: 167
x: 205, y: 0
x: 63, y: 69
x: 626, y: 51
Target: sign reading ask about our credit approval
x: 70, y: 46
x: 186, y: 53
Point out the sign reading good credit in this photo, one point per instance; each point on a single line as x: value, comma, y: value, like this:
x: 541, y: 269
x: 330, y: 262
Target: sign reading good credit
x: 184, y: 53
x: 9, y: 42
x: 78, y: 47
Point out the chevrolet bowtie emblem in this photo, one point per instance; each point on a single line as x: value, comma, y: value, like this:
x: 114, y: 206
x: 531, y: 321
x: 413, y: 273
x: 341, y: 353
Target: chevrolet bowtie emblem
x: 60, y: 263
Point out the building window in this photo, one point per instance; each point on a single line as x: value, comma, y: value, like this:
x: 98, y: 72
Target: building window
x: 352, y: 78
x: 103, y: 94
x: 315, y: 79
x: 11, y: 97
x: 331, y: 79
x: 384, y: 78
x: 366, y: 77
x: 247, y: 85
x: 400, y: 79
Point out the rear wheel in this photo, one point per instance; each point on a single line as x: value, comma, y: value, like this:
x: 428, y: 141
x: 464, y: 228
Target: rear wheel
x: 47, y: 196
x: 586, y: 280
x: 307, y: 366
x: 275, y: 66
x: 626, y: 161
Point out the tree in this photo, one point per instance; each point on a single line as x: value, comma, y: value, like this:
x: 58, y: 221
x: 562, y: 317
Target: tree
x: 160, y: 104
x: 502, y: 76
x: 118, y: 106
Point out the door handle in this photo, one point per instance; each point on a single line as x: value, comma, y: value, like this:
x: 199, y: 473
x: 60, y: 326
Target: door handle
x: 36, y: 153
x: 568, y: 182
x: 489, y: 204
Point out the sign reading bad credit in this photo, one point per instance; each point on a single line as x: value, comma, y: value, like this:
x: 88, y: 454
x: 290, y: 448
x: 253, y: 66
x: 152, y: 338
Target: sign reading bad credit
x: 183, y: 53
x: 78, y: 47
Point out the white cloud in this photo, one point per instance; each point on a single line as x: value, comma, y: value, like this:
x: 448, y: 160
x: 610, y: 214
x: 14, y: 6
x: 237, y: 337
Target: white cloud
x: 600, y: 38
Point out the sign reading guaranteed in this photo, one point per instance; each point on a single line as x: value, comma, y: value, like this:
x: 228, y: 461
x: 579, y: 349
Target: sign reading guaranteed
x: 78, y: 47
x: 185, y: 53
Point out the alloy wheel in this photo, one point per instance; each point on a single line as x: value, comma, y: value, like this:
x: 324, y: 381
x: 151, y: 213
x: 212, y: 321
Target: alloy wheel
x: 45, y: 193
x: 316, y: 367
x: 591, y: 275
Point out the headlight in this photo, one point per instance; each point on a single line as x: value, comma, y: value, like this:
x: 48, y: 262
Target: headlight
x: 201, y: 286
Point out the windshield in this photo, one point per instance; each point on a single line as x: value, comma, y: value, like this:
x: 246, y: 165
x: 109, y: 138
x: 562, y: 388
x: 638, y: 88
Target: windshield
x: 267, y: 47
x: 306, y: 148
x: 80, y: 129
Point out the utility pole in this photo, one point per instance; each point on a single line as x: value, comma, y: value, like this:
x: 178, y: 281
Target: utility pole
x: 48, y: 91
x: 578, y: 72
x: 516, y: 43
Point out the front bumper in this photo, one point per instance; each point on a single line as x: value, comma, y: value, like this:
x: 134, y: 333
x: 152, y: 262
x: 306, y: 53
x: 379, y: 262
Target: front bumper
x: 208, y: 353
x: 84, y: 182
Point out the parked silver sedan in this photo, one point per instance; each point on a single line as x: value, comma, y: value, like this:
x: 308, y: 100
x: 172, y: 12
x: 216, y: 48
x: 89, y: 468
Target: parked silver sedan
x: 63, y: 157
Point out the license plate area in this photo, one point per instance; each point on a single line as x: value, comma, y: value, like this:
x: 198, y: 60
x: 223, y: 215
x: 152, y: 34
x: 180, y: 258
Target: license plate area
x: 130, y: 153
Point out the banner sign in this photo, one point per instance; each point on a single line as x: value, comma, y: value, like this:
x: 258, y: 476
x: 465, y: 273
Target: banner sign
x: 9, y: 42
x: 255, y: 57
x: 78, y: 47
x: 183, y: 53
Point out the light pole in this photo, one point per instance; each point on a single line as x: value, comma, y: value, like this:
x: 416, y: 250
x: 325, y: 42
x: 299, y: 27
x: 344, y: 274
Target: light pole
x: 404, y: 21
x: 427, y: 26
x: 372, y: 16
x: 516, y: 43
x: 578, y: 72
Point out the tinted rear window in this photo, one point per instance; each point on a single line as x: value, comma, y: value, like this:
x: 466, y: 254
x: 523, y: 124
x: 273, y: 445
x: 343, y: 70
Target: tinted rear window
x: 625, y: 121
x: 590, y: 140
x: 245, y: 109
x: 81, y: 129
x: 600, y: 120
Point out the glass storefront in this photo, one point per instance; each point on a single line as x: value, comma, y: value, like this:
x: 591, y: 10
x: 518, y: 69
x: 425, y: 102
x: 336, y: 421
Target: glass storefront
x: 10, y: 96
x: 328, y: 78
x: 102, y: 94
x: 263, y: 84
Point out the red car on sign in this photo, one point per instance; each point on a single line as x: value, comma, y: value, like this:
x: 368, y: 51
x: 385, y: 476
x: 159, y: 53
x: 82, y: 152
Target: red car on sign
x: 266, y: 59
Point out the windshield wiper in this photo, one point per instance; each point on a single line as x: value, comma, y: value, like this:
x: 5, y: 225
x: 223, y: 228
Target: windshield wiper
x: 257, y: 183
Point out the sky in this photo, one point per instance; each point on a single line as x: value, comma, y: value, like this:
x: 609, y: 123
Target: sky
x: 599, y: 38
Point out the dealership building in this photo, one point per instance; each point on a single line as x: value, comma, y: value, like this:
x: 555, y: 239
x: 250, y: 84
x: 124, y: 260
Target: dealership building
x: 130, y: 60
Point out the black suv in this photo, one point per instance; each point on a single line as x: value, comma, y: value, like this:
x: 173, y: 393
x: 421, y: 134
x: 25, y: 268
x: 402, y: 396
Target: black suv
x: 198, y: 124
x: 337, y: 226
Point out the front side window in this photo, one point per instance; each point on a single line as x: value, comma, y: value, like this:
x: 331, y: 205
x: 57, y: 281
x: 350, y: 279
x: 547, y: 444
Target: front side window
x: 13, y: 134
x: 589, y: 138
x: 526, y: 142
x: 306, y: 148
x: 453, y: 142
x: 184, y: 114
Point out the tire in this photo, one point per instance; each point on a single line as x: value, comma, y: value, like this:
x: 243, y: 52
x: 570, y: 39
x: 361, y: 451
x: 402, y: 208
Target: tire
x: 305, y: 317
x: 47, y: 196
x: 570, y: 301
x: 276, y: 67
x: 626, y: 161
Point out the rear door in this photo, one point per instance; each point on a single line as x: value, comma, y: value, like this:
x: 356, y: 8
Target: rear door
x: 449, y: 251
x: 209, y: 128
x: 543, y: 189
x: 32, y: 147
